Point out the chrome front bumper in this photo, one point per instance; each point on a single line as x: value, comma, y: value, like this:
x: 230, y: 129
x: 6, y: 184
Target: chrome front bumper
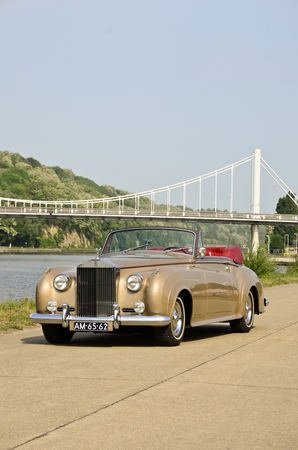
x: 67, y: 320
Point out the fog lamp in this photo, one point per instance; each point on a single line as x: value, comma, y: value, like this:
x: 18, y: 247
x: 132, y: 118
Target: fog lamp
x: 139, y: 307
x: 52, y: 306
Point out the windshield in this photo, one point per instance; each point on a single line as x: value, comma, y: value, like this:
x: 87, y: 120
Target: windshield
x: 153, y: 239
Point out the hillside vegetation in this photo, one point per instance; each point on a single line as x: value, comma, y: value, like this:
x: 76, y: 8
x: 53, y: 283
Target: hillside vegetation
x: 27, y: 178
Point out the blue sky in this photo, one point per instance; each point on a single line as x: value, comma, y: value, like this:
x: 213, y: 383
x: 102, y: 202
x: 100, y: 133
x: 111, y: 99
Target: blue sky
x: 143, y: 94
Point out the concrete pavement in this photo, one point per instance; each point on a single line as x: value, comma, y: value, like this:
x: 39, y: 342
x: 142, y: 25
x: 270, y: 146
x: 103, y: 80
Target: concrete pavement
x: 217, y: 390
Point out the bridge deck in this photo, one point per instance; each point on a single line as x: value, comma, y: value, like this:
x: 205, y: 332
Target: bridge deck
x: 153, y: 215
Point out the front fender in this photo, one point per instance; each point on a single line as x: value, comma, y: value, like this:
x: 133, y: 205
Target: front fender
x: 165, y: 286
x: 45, y: 290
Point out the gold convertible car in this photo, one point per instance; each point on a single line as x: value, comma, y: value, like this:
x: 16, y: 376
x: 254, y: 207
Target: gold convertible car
x: 157, y: 277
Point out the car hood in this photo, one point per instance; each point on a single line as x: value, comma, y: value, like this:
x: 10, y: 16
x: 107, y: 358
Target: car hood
x: 145, y: 259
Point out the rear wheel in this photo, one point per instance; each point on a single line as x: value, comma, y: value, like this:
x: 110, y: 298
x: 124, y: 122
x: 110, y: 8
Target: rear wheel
x: 245, y: 324
x: 173, y: 333
x: 57, y: 334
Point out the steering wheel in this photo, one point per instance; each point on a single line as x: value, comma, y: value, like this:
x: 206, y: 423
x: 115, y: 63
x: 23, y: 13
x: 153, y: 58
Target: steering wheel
x: 178, y: 248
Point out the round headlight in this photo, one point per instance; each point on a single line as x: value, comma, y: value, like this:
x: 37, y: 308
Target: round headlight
x: 61, y: 282
x: 134, y: 282
x: 52, y: 306
x: 139, y: 307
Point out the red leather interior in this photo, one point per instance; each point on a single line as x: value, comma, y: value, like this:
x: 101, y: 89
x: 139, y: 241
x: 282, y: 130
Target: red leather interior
x: 233, y: 252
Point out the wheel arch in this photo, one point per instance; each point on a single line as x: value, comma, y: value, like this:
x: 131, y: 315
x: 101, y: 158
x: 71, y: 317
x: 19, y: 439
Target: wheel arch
x: 252, y: 285
x: 186, y: 297
x: 255, y: 294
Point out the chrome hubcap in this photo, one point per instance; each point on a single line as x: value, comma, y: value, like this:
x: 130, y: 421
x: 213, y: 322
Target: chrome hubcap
x: 177, y: 319
x: 248, y: 310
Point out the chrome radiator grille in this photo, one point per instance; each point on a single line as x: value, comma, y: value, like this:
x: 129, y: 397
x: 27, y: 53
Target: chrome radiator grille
x: 96, y: 290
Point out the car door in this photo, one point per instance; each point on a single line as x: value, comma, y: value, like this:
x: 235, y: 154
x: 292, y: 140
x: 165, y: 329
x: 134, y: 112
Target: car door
x: 220, y: 289
x: 199, y: 294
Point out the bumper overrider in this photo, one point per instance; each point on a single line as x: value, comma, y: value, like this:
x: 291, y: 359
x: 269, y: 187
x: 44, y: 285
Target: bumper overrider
x: 113, y: 322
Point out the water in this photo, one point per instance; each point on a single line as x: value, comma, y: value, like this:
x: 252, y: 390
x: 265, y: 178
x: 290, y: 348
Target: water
x: 281, y: 269
x: 19, y: 274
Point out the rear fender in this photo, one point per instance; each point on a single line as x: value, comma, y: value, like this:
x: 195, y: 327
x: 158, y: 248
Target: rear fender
x: 250, y: 284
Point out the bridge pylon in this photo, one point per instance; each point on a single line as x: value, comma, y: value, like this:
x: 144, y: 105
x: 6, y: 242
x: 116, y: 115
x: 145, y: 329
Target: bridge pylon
x: 255, y: 196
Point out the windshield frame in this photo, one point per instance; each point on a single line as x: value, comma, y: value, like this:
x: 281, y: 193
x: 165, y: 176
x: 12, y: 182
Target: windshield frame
x: 107, y: 242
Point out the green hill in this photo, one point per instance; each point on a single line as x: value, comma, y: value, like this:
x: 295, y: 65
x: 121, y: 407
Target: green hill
x: 26, y: 178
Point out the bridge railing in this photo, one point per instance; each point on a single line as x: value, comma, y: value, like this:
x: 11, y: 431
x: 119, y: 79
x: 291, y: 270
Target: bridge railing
x: 113, y: 213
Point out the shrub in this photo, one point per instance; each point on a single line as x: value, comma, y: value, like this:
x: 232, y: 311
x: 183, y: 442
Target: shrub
x: 260, y: 262
x: 293, y: 268
x: 48, y: 242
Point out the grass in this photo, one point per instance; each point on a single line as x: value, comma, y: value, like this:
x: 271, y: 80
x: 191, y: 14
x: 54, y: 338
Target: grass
x: 14, y: 314
x: 277, y: 279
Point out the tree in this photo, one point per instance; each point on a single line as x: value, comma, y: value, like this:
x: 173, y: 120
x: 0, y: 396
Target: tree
x: 28, y: 231
x: 276, y: 242
x: 7, y: 231
x: 285, y: 205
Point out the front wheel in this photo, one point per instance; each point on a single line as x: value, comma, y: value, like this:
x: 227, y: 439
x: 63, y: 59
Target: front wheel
x: 245, y: 324
x: 56, y: 334
x: 173, y: 333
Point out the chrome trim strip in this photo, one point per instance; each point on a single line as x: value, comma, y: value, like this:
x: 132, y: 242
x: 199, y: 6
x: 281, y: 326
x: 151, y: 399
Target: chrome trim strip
x: 157, y: 321
x: 218, y: 320
x: 212, y: 260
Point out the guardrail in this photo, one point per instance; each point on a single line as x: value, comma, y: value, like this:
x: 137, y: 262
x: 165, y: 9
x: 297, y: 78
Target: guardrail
x: 142, y: 214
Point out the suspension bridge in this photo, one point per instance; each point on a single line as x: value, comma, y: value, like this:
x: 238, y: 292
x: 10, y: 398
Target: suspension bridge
x: 127, y: 207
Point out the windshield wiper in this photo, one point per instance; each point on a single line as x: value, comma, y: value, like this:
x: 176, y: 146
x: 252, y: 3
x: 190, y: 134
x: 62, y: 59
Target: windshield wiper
x: 147, y: 242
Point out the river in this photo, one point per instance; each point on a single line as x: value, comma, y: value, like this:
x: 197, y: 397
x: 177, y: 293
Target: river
x: 19, y: 274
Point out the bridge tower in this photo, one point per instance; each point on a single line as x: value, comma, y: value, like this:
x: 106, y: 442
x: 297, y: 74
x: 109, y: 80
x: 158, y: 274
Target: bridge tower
x: 255, y: 196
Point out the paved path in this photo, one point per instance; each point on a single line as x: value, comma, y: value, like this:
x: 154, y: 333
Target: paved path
x: 217, y: 390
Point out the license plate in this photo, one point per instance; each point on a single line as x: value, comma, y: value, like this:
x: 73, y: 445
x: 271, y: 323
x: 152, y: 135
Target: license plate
x: 91, y: 326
